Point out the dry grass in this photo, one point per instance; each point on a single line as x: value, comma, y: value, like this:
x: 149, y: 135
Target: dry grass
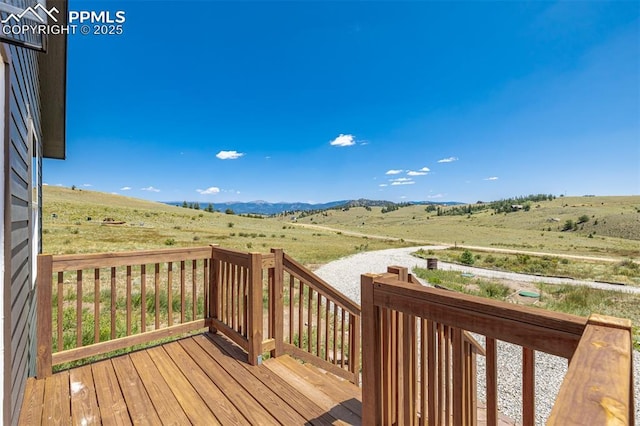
x: 150, y: 225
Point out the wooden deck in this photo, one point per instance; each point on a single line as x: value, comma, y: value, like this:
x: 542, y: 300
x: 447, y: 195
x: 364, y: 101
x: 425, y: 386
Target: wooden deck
x: 203, y: 379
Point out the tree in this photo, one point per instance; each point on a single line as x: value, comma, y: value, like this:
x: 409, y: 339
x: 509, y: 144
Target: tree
x: 568, y: 225
x: 229, y: 211
x: 466, y: 258
x: 185, y: 205
x: 196, y: 206
x: 209, y: 208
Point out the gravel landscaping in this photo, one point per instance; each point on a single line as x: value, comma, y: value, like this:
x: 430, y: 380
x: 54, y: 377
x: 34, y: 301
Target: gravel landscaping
x: 344, y: 274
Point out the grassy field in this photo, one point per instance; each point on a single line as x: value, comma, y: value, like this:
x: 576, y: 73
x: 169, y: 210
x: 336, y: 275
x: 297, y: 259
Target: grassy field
x: 73, y: 222
x: 78, y: 227
x: 612, y: 229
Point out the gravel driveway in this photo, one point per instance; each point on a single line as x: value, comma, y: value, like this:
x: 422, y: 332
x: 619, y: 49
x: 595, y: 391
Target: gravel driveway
x: 344, y: 275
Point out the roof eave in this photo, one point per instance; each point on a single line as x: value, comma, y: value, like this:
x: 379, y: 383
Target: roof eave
x: 53, y: 88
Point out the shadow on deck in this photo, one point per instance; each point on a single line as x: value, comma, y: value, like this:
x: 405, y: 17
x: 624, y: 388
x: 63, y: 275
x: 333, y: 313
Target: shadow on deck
x: 204, y: 379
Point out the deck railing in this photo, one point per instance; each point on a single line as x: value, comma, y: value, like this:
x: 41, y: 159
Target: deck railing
x: 91, y: 304
x: 597, y: 388
x: 323, y: 325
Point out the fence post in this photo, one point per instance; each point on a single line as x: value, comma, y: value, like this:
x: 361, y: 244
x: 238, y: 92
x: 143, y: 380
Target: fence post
x: 44, y: 322
x: 254, y: 331
x: 214, y: 285
x: 371, y: 357
x: 276, y: 302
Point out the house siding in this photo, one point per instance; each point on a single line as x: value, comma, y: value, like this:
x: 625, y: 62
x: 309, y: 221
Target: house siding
x: 24, y: 99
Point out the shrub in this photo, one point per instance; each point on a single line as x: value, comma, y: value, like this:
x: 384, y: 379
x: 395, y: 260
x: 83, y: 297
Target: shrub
x: 466, y: 258
x: 583, y: 219
x: 169, y: 242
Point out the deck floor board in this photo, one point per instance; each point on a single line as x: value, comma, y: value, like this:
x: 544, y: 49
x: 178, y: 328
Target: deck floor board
x: 203, y: 379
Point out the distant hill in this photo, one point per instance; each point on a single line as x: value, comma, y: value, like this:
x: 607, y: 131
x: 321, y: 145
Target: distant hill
x: 266, y: 208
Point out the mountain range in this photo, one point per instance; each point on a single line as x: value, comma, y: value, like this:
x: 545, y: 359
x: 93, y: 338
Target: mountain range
x: 267, y: 208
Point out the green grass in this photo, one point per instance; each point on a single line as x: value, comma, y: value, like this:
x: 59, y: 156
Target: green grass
x: 624, y: 271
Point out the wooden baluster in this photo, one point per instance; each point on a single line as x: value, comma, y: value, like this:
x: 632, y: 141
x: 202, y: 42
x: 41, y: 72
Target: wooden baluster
x: 432, y: 373
x: 335, y: 334
x: 156, y: 282
x: 342, y: 339
x: 492, y: 381
x: 457, y: 366
x: 318, y: 325
x: 60, y: 311
x: 424, y: 386
x: 310, y: 320
x: 114, y: 299
x: 182, y: 295
x: 387, y: 365
x: 96, y: 305
x: 245, y: 297
x: 300, y: 315
x: 291, y: 306
x: 128, y: 300
x: 354, y: 348
x: 143, y: 298
x: 528, y: 387
x: 233, y: 291
x: 79, y: 309
x: 194, y: 289
x: 327, y: 323
x: 205, y: 288
x: 170, y: 293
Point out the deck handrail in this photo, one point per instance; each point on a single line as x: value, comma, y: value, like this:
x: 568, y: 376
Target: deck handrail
x: 565, y: 335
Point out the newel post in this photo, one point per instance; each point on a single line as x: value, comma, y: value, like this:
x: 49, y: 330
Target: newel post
x: 214, y: 285
x: 276, y: 302
x: 254, y: 311
x: 44, y: 337
x: 371, y: 357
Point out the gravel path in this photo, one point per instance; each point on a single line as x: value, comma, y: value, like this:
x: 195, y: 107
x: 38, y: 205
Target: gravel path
x: 344, y: 274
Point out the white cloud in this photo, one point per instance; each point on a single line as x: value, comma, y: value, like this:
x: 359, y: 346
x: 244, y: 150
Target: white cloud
x: 125, y: 188
x: 229, y: 155
x: 210, y: 190
x: 412, y: 173
x: 343, y: 140
x: 45, y: 184
x: 435, y: 196
x: 402, y: 181
x: 425, y: 169
x: 492, y: 178
x: 150, y: 189
x: 448, y: 160
x: 382, y: 185
x: 394, y: 172
x: 87, y: 185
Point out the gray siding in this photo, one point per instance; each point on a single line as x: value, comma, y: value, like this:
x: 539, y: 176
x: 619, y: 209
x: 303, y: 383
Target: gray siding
x: 24, y: 91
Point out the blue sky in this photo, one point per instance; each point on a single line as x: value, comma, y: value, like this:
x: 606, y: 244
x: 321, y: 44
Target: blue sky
x: 321, y: 101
